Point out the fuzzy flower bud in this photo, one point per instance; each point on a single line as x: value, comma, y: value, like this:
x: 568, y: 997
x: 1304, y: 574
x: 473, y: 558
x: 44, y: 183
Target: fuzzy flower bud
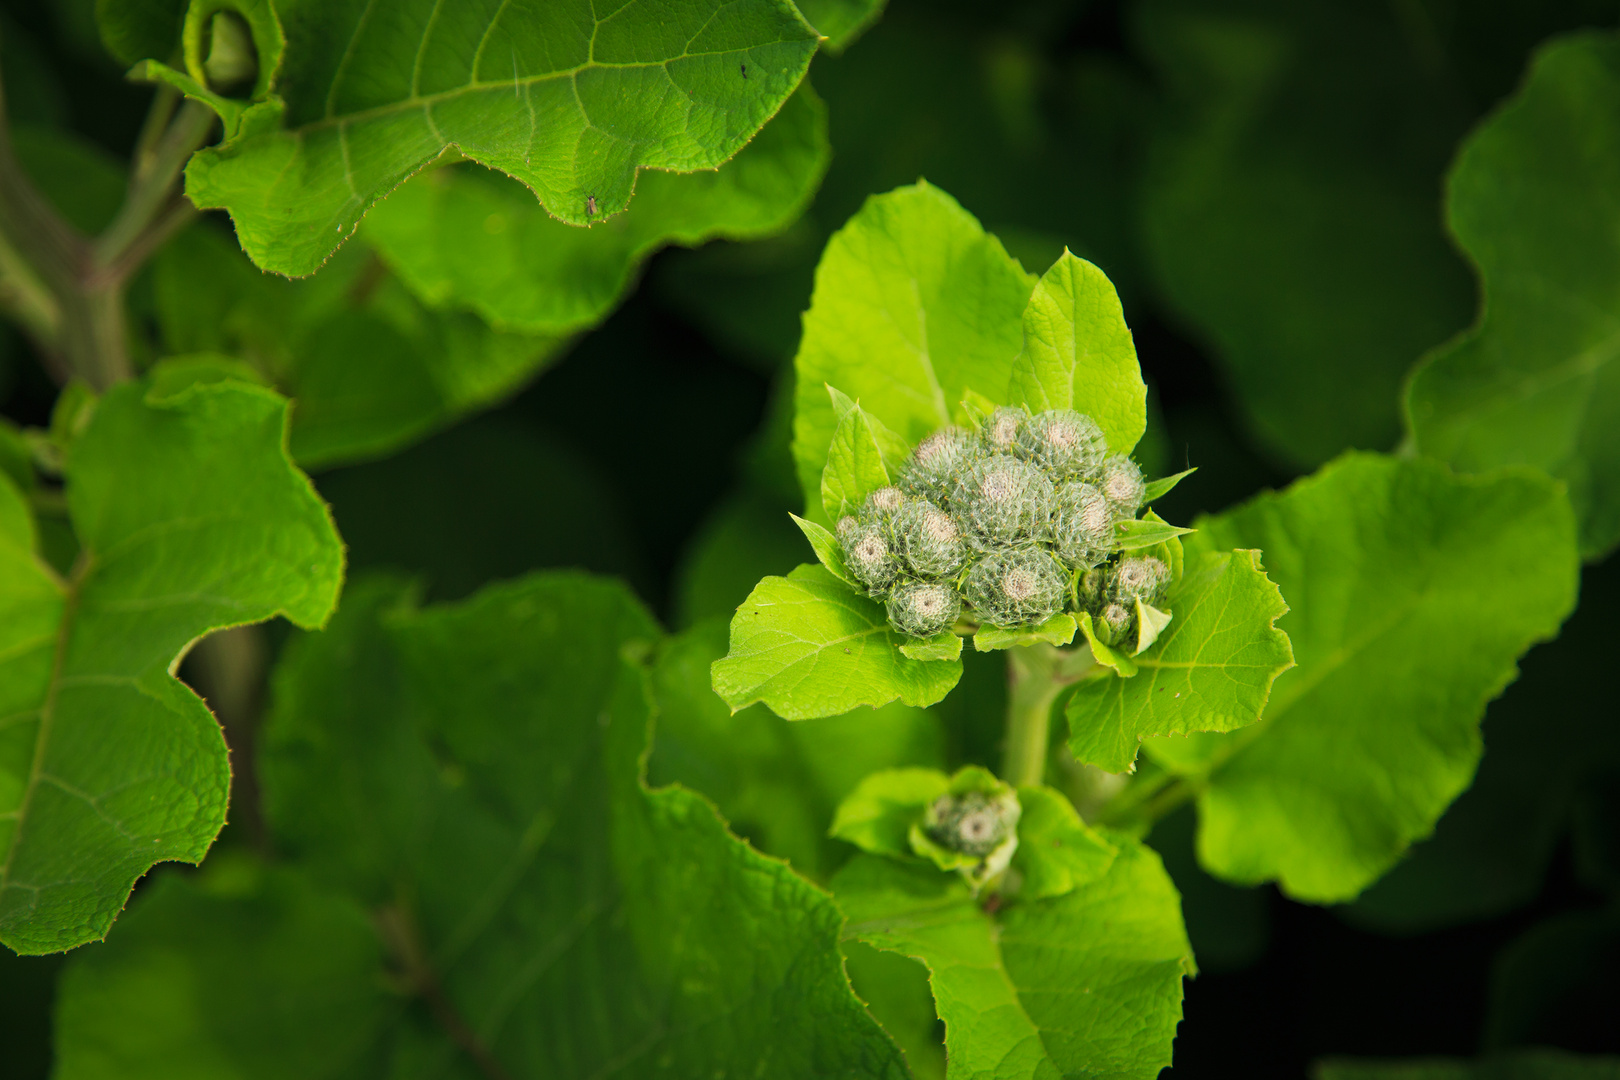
x: 973, y: 823
x: 928, y: 540
x: 1123, y: 484
x: 1082, y: 524
x: 1116, y: 623
x: 1003, y: 500
x: 868, y: 555
x: 938, y: 463
x: 1001, y: 432
x: 882, y: 505
x: 1141, y: 577
x: 1067, y: 444
x: 923, y: 608
x: 1015, y: 587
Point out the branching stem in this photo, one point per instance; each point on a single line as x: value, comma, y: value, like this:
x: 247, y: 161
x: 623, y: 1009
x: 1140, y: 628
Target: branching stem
x: 66, y: 290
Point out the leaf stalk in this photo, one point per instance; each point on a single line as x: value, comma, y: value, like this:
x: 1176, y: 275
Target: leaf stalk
x: 1036, y: 674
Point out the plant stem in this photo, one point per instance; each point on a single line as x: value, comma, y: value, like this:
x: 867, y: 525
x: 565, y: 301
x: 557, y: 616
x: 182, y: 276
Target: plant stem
x: 66, y: 291
x: 1036, y: 674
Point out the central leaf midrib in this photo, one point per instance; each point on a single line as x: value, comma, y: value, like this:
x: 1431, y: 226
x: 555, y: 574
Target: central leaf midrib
x: 47, y: 712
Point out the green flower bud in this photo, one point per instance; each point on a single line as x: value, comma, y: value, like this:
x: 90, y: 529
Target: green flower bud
x: 1001, y: 432
x: 1115, y: 624
x: 1082, y: 524
x: 881, y: 505
x: 929, y: 540
x: 1139, y: 577
x: 869, y: 556
x: 923, y: 608
x: 1015, y: 587
x: 1067, y: 444
x: 847, y: 525
x: 973, y: 823
x: 1003, y: 500
x: 938, y: 463
x: 1123, y: 484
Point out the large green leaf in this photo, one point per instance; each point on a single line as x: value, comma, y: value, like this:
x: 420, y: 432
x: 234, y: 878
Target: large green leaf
x: 1078, y: 353
x: 1084, y: 985
x: 1211, y: 669
x: 241, y: 970
x: 808, y: 645
x: 1531, y: 202
x: 191, y: 518
x: 1550, y: 743
x: 468, y: 238
x: 371, y: 367
x: 914, y: 305
x: 570, y: 102
x: 1399, y: 647
x: 471, y: 775
x: 776, y: 782
x: 1290, y: 215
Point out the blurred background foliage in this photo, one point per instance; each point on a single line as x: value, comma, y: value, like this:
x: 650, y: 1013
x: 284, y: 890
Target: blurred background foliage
x: 1262, y: 179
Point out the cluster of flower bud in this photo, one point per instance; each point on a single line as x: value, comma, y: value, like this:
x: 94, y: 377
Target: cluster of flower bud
x: 1111, y: 594
x: 1005, y: 519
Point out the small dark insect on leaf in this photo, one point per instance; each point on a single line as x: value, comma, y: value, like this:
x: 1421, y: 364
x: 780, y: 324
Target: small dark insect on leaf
x: 590, y: 206
x: 744, y: 70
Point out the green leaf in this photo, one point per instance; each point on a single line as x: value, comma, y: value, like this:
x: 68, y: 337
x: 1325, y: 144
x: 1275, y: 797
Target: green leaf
x: 186, y: 986
x: 1058, y: 630
x: 1084, y: 985
x: 878, y: 815
x: 371, y: 367
x: 1285, y: 221
x: 1057, y: 852
x: 828, y: 552
x: 572, y: 105
x: 135, y: 29
x: 1150, y: 623
x: 914, y: 305
x: 1398, y: 648
x: 1133, y: 534
x: 776, y: 782
x: 1528, y: 1064
x: 1158, y: 489
x: 191, y: 519
x: 895, y: 989
x: 808, y: 645
x: 471, y: 239
x: 1210, y: 669
x: 945, y: 645
x: 856, y: 464
x: 840, y: 21
x: 493, y: 821
x: 1078, y: 353
x: 1535, y: 381
x: 1105, y: 655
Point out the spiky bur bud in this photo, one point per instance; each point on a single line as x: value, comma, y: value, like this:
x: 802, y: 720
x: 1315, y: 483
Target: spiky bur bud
x: 1115, y: 623
x: 1123, y: 484
x: 882, y: 505
x: 923, y: 608
x: 1082, y: 524
x: 1067, y: 444
x: 1001, y: 432
x: 938, y: 463
x: 1002, y: 500
x: 868, y: 555
x: 1140, y: 577
x: 1015, y: 587
x: 973, y: 823
x: 846, y: 530
x: 928, y: 540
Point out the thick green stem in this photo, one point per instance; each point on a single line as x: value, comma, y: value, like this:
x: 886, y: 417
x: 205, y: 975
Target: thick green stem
x: 1037, y: 674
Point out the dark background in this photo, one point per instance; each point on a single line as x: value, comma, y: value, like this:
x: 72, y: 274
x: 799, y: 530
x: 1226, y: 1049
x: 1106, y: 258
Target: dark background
x: 704, y: 339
